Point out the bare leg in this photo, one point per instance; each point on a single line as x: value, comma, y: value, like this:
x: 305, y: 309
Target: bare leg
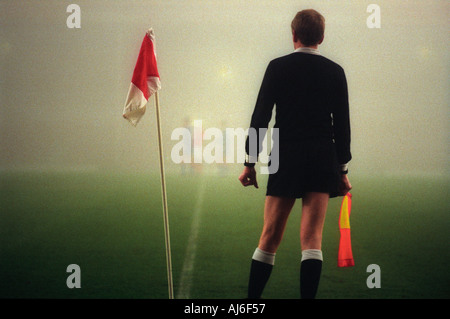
x: 276, y: 213
x: 314, y: 209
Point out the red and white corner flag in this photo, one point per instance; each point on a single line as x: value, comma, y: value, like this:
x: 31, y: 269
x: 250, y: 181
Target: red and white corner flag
x: 145, y: 80
x: 144, y: 83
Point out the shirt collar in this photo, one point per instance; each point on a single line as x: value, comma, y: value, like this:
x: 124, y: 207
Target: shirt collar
x: 308, y: 50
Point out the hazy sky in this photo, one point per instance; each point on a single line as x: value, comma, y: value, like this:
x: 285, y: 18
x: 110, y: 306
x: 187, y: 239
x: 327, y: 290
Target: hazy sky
x: 62, y: 90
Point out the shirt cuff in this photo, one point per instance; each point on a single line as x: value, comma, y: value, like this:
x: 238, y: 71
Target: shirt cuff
x: 250, y: 161
x: 344, y: 168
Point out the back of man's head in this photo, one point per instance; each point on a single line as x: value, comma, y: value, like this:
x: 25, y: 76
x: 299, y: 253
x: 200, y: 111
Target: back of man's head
x: 309, y: 27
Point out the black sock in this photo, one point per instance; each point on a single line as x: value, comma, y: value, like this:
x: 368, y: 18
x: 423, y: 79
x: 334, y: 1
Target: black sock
x: 259, y: 275
x: 310, y: 270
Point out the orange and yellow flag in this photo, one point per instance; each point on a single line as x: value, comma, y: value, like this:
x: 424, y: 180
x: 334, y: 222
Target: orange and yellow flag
x: 345, y: 255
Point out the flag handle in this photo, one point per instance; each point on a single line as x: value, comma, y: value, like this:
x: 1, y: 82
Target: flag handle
x: 164, y: 200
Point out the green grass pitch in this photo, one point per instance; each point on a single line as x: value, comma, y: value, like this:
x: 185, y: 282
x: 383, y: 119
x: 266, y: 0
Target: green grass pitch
x: 111, y: 225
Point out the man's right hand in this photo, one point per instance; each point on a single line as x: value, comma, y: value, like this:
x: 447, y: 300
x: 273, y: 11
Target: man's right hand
x: 344, y: 186
x: 248, y: 177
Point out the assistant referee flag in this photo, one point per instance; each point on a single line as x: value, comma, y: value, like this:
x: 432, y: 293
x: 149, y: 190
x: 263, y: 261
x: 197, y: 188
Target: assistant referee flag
x: 345, y: 254
x: 145, y: 80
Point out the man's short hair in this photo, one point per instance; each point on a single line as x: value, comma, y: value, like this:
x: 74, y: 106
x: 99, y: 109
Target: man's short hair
x: 309, y: 27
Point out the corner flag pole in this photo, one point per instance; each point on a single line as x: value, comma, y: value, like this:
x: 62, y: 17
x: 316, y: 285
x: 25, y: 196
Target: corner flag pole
x: 164, y: 200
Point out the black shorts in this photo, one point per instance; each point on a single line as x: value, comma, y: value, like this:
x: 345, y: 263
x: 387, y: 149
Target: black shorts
x: 306, y: 166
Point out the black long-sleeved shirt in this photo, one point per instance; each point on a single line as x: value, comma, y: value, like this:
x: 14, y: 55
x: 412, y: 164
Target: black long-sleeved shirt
x: 311, y: 97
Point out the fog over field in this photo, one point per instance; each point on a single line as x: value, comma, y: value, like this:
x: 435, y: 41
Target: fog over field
x: 62, y: 90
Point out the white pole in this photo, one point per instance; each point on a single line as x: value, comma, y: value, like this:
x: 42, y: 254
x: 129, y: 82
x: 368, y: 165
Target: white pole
x: 164, y: 200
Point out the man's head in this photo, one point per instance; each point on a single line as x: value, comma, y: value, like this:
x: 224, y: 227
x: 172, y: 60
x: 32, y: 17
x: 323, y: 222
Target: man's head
x: 308, y: 27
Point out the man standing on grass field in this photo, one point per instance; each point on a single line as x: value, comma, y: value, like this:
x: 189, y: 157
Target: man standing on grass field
x: 312, y: 116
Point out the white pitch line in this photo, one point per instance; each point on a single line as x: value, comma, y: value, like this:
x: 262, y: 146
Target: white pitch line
x: 187, y: 272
